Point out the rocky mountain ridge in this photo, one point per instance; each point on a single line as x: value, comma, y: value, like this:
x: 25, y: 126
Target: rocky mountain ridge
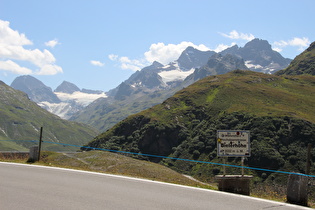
x: 66, y: 100
x: 35, y: 89
x: 152, y: 84
x: 67, y: 87
x: 259, y: 56
x: 155, y: 83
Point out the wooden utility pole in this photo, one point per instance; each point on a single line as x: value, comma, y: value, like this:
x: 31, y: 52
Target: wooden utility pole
x: 40, y: 142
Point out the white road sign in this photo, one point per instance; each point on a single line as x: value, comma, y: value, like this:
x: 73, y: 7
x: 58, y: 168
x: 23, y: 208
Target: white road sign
x: 232, y: 143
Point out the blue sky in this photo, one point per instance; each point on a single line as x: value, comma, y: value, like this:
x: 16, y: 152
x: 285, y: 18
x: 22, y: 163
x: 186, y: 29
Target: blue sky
x: 98, y: 44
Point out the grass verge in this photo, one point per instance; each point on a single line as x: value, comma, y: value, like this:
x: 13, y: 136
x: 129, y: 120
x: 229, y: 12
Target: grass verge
x: 112, y: 163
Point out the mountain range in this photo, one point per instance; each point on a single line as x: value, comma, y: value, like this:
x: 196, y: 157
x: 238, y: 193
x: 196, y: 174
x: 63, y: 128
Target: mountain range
x: 155, y: 83
x: 21, y: 120
x: 66, y: 100
x: 149, y: 86
x: 259, y: 56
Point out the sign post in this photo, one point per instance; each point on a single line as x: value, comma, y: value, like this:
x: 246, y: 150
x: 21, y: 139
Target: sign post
x: 233, y: 143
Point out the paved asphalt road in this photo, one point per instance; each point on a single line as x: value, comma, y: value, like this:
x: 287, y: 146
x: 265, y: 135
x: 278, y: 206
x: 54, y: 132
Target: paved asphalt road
x: 36, y: 187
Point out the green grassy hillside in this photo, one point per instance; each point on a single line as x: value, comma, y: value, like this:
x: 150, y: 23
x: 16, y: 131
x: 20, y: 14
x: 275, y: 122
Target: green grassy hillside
x: 302, y: 64
x: 278, y: 111
x: 21, y: 119
x: 240, y: 91
x: 112, y: 163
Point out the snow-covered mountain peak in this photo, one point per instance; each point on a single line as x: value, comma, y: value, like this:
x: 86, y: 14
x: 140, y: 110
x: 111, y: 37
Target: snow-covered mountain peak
x: 67, y: 87
x: 70, y: 103
x: 64, y: 101
x: 175, y: 75
x: 259, y: 56
x: 171, y: 66
x: 79, y: 97
x: 193, y: 58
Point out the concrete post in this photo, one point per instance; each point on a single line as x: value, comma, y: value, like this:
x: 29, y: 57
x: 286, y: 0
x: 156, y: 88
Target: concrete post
x: 239, y: 184
x: 297, y: 189
x: 33, y: 155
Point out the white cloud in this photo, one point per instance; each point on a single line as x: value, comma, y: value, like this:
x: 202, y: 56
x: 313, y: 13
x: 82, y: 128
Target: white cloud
x: 52, y: 43
x: 281, y: 43
x: 157, y: 52
x: 129, y: 64
x: 13, y: 67
x: 49, y: 70
x: 113, y: 57
x: 301, y: 43
x: 170, y: 52
x: 12, y: 51
x: 222, y: 47
x: 277, y: 49
x: 124, y: 60
x: 133, y: 65
x: 236, y: 35
x: 82, y: 98
x: 97, y: 63
x: 11, y: 37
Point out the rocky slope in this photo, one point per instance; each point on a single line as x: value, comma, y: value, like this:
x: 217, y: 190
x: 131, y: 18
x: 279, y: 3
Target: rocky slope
x: 216, y: 65
x: 67, y: 87
x: 259, y: 56
x: 35, y: 89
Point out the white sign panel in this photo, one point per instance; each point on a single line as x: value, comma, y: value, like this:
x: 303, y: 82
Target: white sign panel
x: 233, y: 143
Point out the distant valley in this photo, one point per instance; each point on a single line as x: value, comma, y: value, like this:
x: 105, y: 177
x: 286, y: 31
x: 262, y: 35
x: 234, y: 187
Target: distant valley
x: 154, y: 84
